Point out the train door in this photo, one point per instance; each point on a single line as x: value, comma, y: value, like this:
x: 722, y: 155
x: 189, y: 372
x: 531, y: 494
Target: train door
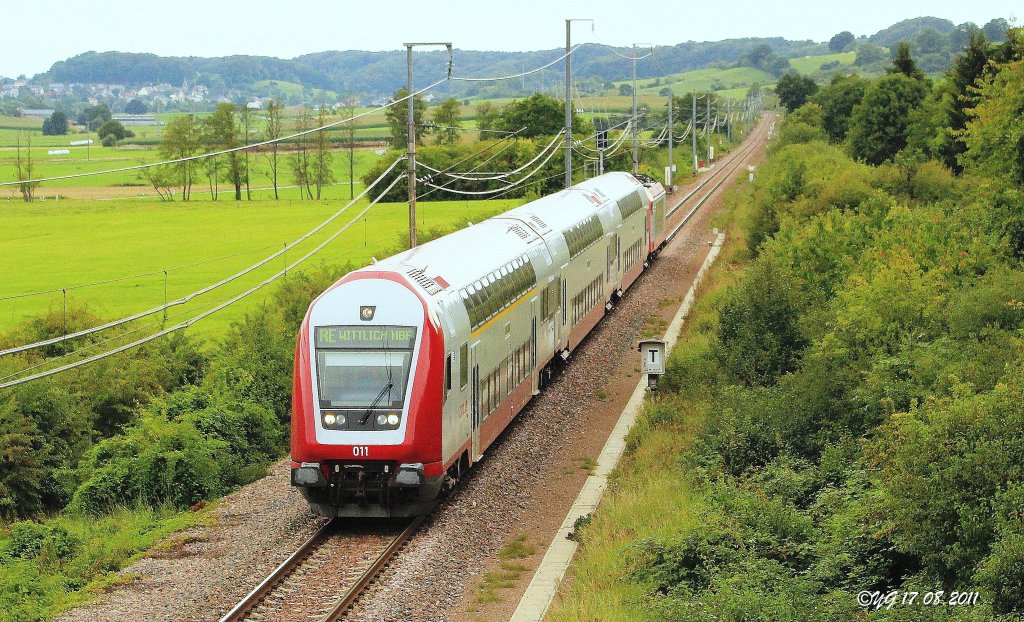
x: 608, y: 261
x: 648, y: 223
x: 475, y: 383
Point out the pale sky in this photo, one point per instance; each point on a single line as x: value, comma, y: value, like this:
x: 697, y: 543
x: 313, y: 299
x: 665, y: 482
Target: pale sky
x: 35, y: 35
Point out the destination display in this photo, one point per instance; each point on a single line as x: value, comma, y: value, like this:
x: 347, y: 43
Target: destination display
x: 366, y: 337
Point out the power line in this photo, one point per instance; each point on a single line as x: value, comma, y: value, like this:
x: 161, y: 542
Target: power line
x: 205, y: 314
x: 524, y: 73
x: 225, y: 151
x: 204, y: 290
x: 505, y: 188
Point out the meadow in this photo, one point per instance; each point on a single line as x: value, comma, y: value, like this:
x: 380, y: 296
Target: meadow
x: 69, y: 244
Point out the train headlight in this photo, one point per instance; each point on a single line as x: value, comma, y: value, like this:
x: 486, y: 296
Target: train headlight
x: 329, y: 419
x: 341, y: 419
x: 382, y: 419
x: 393, y: 419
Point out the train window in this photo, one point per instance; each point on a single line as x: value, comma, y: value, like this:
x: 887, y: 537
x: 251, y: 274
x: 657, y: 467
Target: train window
x: 447, y: 375
x: 464, y: 366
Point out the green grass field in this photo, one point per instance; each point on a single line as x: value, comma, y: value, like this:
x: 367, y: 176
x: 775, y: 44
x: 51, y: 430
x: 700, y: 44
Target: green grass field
x: 99, y: 158
x: 701, y: 80
x: 47, y: 246
x: 811, y: 64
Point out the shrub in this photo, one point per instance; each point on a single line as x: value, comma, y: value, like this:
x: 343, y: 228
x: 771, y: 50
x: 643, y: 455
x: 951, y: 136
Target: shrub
x: 30, y: 539
x: 758, y: 337
x: 682, y: 563
x: 159, y: 461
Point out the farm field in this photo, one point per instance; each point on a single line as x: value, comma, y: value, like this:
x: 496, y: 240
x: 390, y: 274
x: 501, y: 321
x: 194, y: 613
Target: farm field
x: 701, y: 80
x: 99, y: 158
x: 49, y: 246
x: 811, y: 64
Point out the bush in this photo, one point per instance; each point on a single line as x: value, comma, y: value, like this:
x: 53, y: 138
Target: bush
x: 686, y: 563
x: 924, y: 458
x: 30, y: 540
x: 1002, y: 572
x: 157, y: 462
x: 109, y: 140
x: 758, y: 337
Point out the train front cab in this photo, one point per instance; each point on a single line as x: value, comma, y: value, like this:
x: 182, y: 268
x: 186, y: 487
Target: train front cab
x: 367, y: 403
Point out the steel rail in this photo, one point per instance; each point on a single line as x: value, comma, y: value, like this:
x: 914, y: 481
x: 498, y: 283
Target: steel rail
x: 357, y: 589
x: 253, y: 598
x: 734, y: 164
x: 245, y: 607
x: 700, y: 186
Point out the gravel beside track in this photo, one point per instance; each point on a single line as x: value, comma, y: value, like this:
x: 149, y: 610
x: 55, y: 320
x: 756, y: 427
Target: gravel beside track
x: 524, y: 485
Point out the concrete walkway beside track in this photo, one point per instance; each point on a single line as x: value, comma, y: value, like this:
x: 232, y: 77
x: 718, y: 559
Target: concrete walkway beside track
x: 534, y: 604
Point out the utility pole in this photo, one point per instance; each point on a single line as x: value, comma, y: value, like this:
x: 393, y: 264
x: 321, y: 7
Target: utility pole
x: 411, y: 157
x: 636, y: 129
x: 568, y: 96
x: 636, y: 145
x: 728, y: 120
x: 707, y: 129
x: 670, y: 138
x: 693, y: 130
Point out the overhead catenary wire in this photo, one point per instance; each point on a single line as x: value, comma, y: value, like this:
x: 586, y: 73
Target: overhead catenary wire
x: 189, y: 297
x: 524, y: 73
x: 209, y: 312
x: 496, y: 177
x: 517, y: 182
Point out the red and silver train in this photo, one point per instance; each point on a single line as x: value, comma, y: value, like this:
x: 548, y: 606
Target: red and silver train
x: 408, y: 369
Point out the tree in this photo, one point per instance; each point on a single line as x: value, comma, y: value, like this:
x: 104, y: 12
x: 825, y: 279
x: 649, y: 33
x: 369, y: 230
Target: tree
x: 841, y: 41
x: 447, y: 119
x: 136, y: 106
x: 398, y: 119
x: 996, y: 29
x: 794, y: 90
x: 272, y: 133
x: 222, y: 133
x: 299, y: 160
x: 625, y: 90
x: 879, y: 123
x: 115, y: 129
x: 56, y: 124
x: 536, y: 115
x: 994, y: 135
x: 321, y: 173
x: 181, y: 139
x: 245, y: 121
x: 837, y: 101
x: 903, y: 63
x: 94, y: 116
x: 349, y: 110
x: 23, y: 469
x: 959, y: 96
x: 25, y: 170
x: 486, y: 116
x: 868, y: 54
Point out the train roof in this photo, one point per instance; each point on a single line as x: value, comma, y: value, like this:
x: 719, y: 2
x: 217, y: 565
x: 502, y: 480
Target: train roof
x: 467, y: 254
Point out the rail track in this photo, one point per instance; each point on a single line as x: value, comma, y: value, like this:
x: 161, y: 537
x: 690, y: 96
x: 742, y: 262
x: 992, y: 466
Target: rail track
x: 719, y: 176
x: 326, y: 575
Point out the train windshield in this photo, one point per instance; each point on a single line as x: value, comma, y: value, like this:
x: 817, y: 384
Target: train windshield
x: 363, y: 367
